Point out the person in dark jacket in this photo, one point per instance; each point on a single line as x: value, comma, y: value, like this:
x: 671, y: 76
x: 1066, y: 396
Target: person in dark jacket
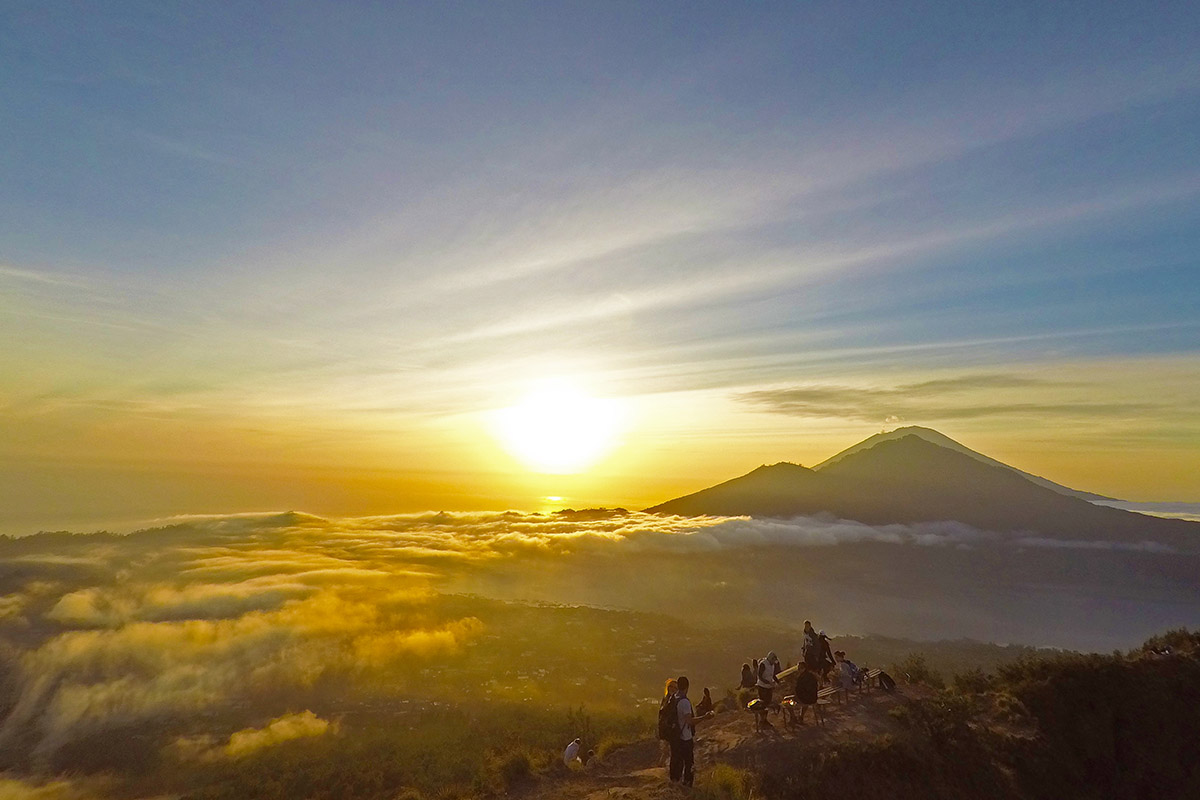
x: 810, y: 651
x: 827, y: 661
x: 806, y: 691
x: 747, y: 677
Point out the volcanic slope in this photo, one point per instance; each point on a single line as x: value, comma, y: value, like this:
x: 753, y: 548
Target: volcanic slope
x: 910, y: 479
x: 942, y: 440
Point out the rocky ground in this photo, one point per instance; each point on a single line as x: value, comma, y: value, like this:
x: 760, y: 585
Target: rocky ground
x: 635, y: 772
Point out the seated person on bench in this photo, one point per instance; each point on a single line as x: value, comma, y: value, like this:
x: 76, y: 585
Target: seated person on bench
x: 849, y: 675
x: 806, y: 694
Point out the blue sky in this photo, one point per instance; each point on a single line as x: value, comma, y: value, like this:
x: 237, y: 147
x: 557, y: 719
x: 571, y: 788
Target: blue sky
x: 298, y: 213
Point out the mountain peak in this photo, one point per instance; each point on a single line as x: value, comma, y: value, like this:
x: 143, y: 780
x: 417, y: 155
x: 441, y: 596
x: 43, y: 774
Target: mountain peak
x: 909, y: 476
x: 942, y: 440
x: 780, y: 466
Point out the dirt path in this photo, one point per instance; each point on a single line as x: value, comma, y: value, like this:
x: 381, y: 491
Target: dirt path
x: 633, y: 772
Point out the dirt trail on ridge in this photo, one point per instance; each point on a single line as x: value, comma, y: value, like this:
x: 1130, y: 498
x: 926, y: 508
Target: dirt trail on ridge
x: 634, y: 772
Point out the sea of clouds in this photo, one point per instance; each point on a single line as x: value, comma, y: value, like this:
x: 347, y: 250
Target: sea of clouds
x: 105, y: 630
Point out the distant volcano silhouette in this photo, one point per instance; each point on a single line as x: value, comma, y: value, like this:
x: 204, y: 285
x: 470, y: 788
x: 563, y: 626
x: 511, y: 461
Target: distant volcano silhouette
x: 942, y: 440
x: 908, y: 478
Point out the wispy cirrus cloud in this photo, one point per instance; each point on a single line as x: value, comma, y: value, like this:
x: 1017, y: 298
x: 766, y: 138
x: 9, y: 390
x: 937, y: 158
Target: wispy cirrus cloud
x: 985, y: 395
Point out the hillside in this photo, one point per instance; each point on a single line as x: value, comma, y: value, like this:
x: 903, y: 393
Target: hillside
x: 1068, y: 725
x: 910, y: 479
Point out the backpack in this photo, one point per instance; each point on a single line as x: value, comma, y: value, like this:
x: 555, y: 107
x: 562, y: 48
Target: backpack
x: 668, y: 719
x: 886, y: 682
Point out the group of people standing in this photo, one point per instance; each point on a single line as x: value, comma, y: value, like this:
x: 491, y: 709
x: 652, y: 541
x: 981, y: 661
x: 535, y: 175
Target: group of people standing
x: 817, y: 660
x: 678, y: 717
x: 816, y: 654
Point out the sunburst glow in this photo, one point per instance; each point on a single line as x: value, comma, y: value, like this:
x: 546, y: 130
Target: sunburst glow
x: 559, y: 429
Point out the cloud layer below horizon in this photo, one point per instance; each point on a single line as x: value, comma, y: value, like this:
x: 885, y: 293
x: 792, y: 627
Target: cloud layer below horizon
x: 102, y: 630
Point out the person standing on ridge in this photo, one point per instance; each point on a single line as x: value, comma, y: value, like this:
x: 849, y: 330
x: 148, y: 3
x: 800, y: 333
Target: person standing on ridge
x: 664, y: 735
x: 766, y: 680
x: 810, y: 651
x: 683, y: 746
x: 827, y: 659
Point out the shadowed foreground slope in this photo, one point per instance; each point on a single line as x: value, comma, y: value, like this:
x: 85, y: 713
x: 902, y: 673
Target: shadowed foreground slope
x: 1046, y: 728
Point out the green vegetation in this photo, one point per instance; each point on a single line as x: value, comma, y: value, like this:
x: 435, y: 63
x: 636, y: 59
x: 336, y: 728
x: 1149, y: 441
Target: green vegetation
x: 913, y: 668
x: 1045, y: 727
x: 724, y: 782
x: 492, y: 716
x: 453, y: 754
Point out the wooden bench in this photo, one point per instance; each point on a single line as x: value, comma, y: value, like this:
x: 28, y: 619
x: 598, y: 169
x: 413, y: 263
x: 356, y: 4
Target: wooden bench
x: 791, y: 707
x: 758, y: 709
x: 871, y: 676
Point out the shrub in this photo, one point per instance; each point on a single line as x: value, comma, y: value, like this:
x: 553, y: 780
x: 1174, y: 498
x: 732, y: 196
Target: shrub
x: 1179, y: 641
x: 610, y: 743
x: 943, y: 720
x: 913, y: 668
x: 974, y: 681
x: 724, y: 782
x: 504, y: 770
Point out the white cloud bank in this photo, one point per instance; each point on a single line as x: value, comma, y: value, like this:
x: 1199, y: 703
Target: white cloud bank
x: 168, y: 623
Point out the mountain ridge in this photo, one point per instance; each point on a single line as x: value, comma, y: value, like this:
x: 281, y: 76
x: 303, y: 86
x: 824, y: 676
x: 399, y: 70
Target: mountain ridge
x: 942, y: 440
x: 909, y: 479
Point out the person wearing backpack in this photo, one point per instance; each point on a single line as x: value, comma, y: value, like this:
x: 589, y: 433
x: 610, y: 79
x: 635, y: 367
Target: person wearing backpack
x: 683, y: 746
x: 667, y: 721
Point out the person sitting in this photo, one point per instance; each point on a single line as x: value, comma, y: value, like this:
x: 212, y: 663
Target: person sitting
x: 806, y: 694
x: 571, y: 754
x: 705, y: 706
x: 747, y: 677
x: 849, y: 675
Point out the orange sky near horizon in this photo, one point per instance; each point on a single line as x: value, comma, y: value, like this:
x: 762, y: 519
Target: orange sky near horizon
x: 84, y: 466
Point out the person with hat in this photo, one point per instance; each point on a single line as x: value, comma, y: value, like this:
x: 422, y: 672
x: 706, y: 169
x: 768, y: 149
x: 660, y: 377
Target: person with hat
x: 767, y: 669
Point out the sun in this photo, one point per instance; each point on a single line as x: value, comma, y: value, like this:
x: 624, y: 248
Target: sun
x: 558, y: 429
